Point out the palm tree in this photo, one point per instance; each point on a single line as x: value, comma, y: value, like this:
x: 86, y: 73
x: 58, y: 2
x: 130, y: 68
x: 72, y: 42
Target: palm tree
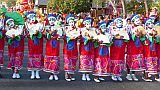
x: 113, y: 5
x: 123, y: 8
x: 146, y: 8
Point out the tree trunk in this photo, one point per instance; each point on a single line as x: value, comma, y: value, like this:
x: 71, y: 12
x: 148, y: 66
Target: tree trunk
x: 123, y: 7
x: 113, y: 5
x: 146, y: 8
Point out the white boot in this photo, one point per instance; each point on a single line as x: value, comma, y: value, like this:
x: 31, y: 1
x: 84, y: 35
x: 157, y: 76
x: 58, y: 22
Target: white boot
x: 114, y: 78
x: 37, y: 74
x: 56, y: 77
x: 134, y: 77
x: 18, y: 76
x: 67, y: 77
x: 14, y: 75
x: 158, y: 80
x: 32, y: 74
x: 83, y: 77
x: 97, y: 80
x: 102, y: 79
x: 129, y: 77
x: 87, y: 77
x: 73, y: 79
x: 51, y: 77
x: 119, y: 78
x: 148, y: 80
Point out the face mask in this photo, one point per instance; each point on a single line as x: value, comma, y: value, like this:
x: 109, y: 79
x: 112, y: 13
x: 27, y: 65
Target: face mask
x: 150, y: 25
x: 51, y: 20
x: 137, y: 21
x: 71, y: 23
x: 10, y: 24
x: 119, y: 23
x: 88, y: 23
x: 31, y: 18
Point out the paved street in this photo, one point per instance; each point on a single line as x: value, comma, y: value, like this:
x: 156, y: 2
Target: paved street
x: 7, y: 83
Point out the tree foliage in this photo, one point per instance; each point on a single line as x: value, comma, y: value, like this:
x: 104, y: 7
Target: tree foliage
x: 66, y: 6
x: 155, y: 4
x: 100, y: 3
x: 135, y: 6
x: 9, y: 3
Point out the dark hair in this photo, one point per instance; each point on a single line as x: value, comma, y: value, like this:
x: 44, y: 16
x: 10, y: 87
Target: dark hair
x: 101, y: 17
x: 129, y: 19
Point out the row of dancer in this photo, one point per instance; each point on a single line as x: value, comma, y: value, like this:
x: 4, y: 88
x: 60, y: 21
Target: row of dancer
x: 102, y: 50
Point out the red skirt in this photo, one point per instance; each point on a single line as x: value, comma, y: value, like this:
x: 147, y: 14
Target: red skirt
x: 52, y: 59
x: 35, y: 55
x: 87, y: 56
x: 151, y: 59
x: 158, y: 55
x: 117, y: 55
x: 102, y: 62
x: 52, y: 64
x: 16, y: 53
x: 2, y: 51
x: 70, y: 56
x: 135, y: 59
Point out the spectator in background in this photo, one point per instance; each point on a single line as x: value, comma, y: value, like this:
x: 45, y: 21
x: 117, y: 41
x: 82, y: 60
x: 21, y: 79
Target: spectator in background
x: 106, y: 17
x: 79, y: 22
x: 109, y: 20
x: 101, y: 18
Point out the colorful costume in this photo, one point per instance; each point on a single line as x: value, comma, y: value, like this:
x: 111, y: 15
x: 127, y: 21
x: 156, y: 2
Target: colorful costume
x: 14, y: 24
x: 87, y: 53
x: 150, y: 54
x: 15, y: 41
x: 2, y: 35
x: 87, y: 50
x: 70, y: 47
x: 52, y: 59
x: 135, y: 58
x: 35, y: 44
x: 157, y: 28
x: 102, y: 62
x: 150, y: 51
x: 117, y: 50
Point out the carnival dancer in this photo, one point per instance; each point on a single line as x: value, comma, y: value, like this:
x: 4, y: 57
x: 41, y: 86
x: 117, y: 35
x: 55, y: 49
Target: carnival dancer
x: 15, y: 39
x: 102, y: 62
x: 135, y: 58
x: 52, y: 59
x: 2, y: 36
x: 87, y: 51
x: 150, y: 54
x: 35, y: 44
x: 157, y: 28
x: 117, y: 50
x: 70, y: 48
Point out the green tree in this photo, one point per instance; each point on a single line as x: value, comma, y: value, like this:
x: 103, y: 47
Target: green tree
x: 134, y: 6
x: 123, y: 8
x: 66, y: 6
x: 9, y: 2
x: 141, y: 7
x: 155, y: 4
